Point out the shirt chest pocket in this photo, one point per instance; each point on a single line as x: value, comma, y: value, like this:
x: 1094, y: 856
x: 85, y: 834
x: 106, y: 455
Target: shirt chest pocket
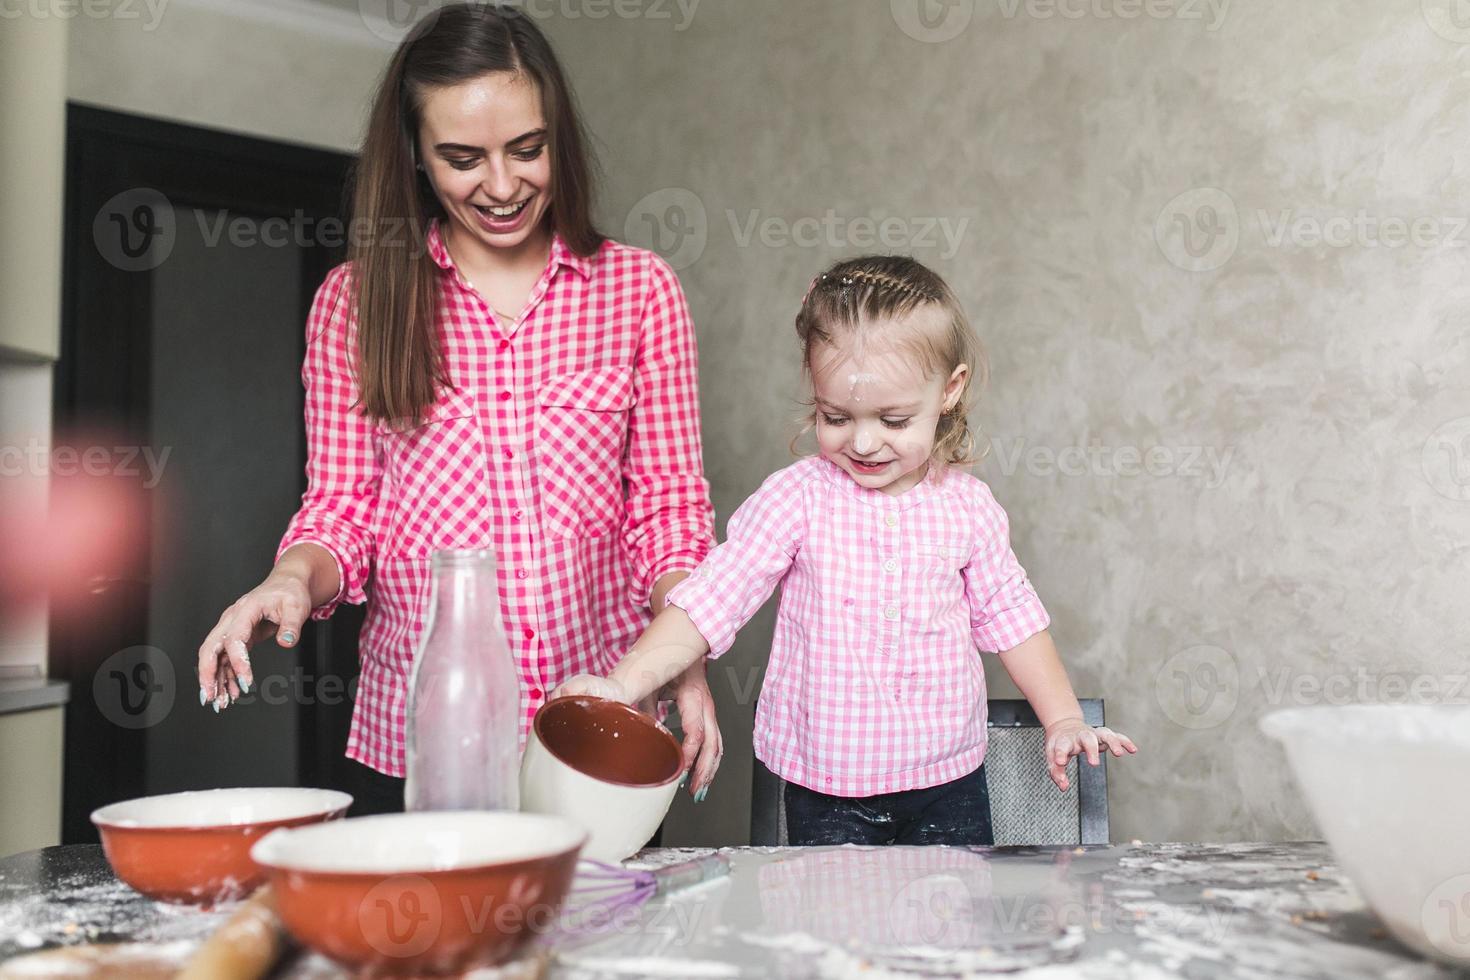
x: 438, y: 479
x: 581, y: 430
x: 940, y: 559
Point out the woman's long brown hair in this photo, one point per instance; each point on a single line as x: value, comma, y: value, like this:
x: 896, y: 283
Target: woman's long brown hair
x: 395, y: 282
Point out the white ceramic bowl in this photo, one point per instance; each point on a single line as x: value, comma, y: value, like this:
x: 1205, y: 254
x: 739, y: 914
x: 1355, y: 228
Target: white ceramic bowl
x: 605, y: 765
x: 1389, y: 785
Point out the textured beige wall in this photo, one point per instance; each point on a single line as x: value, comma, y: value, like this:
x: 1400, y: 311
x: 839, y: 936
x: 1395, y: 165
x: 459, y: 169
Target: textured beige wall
x: 281, y: 70
x: 1234, y: 462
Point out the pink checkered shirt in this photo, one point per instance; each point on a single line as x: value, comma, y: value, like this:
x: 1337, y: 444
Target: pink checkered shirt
x: 873, y: 685
x: 570, y: 445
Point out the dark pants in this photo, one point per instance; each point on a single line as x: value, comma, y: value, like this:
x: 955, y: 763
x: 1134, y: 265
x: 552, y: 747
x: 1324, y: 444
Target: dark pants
x: 374, y: 792
x: 957, y: 812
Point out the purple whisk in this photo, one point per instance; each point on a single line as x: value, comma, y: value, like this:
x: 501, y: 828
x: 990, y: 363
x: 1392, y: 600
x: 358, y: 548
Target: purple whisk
x: 603, y: 894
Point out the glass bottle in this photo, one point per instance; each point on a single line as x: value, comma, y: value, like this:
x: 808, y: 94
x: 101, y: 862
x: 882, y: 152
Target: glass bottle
x: 464, y: 694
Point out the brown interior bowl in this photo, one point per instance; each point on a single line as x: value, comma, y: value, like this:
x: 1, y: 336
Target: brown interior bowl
x: 194, y: 848
x: 606, y: 740
x: 424, y: 892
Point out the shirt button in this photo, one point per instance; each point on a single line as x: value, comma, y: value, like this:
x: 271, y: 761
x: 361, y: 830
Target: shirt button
x: 890, y: 612
x: 505, y: 396
x: 890, y: 565
x: 530, y: 634
x: 510, y: 454
x: 503, y: 345
x: 535, y: 693
x: 516, y: 515
x: 521, y: 573
x: 891, y: 520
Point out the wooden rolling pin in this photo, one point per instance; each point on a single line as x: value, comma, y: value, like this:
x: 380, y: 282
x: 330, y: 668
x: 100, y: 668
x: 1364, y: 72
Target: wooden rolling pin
x: 246, y: 947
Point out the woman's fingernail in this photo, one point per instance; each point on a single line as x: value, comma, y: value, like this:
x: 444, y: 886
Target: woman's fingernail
x: 202, y: 698
x: 684, y: 782
x: 216, y: 706
x: 288, y: 638
x: 699, y: 797
x: 244, y: 686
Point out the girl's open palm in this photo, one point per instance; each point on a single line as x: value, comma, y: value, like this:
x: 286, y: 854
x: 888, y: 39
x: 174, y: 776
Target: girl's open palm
x: 1073, y: 736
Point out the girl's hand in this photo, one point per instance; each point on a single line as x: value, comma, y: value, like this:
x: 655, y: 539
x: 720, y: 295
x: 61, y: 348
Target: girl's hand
x: 1073, y: 736
x: 276, y: 607
x: 594, y: 686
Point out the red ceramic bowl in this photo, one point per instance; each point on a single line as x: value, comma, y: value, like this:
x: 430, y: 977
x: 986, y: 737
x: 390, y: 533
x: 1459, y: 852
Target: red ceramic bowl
x: 194, y: 848
x: 422, y: 892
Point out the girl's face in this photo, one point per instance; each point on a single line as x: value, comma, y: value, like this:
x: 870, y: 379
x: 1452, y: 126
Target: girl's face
x: 877, y: 412
x: 483, y: 144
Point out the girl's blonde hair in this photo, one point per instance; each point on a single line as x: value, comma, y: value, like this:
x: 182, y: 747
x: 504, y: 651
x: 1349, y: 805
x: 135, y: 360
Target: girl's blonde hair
x: 870, y: 299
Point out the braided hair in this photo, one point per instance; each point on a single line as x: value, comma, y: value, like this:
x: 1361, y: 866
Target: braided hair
x: 871, y: 299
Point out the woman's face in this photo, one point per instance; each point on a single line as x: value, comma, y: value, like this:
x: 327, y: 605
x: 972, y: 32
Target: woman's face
x: 483, y: 144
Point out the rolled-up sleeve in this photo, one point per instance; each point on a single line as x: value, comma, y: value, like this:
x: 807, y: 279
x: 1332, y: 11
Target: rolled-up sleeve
x: 670, y: 522
x: 1004, y: 609
x: 342, y: 471
x: 762, y: 540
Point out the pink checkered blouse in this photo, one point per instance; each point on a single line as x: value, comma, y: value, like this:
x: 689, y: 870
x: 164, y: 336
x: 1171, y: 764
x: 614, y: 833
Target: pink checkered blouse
x: 873, y: 685
x: 570, y: 445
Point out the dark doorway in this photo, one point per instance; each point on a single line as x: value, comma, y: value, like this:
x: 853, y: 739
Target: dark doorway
x: 192, y: 256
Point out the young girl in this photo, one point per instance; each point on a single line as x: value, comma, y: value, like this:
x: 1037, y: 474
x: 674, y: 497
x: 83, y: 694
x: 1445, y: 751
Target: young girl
x: 893, y: 566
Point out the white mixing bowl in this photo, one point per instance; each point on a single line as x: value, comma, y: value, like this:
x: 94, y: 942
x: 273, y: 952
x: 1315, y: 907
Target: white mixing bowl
x: 1389, y: 786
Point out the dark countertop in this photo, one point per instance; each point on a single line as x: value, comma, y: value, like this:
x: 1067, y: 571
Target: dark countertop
x: 1117, y: 911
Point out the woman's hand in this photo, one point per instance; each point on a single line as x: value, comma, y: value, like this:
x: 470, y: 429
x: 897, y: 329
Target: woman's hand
x: 1073, y: 736
x: 703, y: 744
x: 276, y: 607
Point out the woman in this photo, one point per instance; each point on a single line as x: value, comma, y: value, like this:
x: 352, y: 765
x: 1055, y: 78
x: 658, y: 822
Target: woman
x: 486, y: 371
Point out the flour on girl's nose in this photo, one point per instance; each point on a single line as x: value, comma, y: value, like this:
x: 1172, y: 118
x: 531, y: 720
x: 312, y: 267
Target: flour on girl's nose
x: 863, y: 444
